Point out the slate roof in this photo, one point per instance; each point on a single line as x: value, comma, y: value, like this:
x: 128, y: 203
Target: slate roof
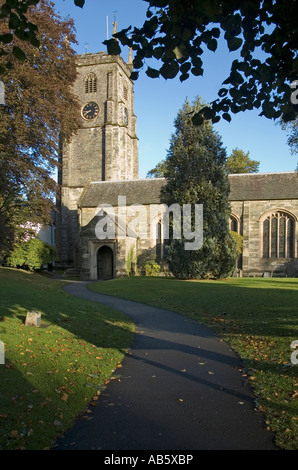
x: 263, y: 186
x: 244, y: 187
x: 142, y: 191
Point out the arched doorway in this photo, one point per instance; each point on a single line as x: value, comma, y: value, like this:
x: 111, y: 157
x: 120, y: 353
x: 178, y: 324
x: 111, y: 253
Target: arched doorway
x: 104, y: 263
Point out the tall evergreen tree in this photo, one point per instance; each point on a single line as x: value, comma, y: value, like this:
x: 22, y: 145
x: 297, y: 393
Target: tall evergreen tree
x: 196, y: 174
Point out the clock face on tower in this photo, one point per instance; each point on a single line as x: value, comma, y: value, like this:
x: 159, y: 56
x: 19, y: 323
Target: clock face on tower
x: 90, y: 110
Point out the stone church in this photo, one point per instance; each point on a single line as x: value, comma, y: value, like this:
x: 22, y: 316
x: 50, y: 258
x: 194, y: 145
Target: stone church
x: 101, y: 197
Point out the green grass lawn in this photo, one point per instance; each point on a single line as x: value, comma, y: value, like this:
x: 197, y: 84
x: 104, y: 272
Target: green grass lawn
x: 53, y: 372
x: 256, y: 316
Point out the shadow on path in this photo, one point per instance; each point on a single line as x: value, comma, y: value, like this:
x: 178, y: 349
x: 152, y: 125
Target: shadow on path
x: 180, y: 387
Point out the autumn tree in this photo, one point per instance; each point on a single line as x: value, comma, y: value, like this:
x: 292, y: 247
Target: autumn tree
x: 39, y: 109
x: 240, y: 162
x: 196, y: 174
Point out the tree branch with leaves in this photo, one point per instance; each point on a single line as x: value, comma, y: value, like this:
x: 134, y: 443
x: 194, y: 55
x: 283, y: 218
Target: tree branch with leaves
x: 262, y: 35
x: 176, y: 33
x: 39, y: 108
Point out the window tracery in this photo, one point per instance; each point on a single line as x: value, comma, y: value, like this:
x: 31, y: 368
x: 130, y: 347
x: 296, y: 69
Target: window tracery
x: 278, y: 235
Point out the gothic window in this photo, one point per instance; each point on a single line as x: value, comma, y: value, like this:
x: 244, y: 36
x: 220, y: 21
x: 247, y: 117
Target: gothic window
x: 156, y: 236
x: 234, y: 224
x: 278, y: 235
x: 90, y: 83
x: 159, y: 251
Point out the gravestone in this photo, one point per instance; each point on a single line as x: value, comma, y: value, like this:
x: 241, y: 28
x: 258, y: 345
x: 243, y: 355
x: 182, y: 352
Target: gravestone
x: 33, y: 319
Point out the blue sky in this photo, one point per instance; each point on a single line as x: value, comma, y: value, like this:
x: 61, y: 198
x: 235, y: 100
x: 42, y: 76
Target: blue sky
x: 157, y: 101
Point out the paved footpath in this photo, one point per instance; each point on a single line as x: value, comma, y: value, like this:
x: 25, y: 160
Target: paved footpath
x: 181, y: 388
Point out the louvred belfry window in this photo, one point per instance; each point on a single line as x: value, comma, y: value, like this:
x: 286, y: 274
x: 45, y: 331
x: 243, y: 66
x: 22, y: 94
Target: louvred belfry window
x: 91, y: 83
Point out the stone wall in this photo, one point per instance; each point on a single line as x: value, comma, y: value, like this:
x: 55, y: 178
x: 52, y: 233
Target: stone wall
x: 104, y: 148
x: 132, y: 237
x: 251, y: 215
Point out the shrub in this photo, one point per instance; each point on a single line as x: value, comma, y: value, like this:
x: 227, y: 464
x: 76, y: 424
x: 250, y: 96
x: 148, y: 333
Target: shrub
x: 152, y: 268
x: 131, y: 263
x: 31, y: 255
x: 238, y: 240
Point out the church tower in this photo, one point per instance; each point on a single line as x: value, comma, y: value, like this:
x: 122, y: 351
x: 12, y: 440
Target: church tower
x: 105, y: 148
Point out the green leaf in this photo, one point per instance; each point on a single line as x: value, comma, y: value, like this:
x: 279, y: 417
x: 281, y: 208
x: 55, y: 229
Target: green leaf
x: 33, y: 40
x: 179, y: 52
x: 14, y: 21
x: 184, y: 68
x: 184, y: 77
x: 169, y: 70
x: 152, y: 73
x: 18, y: 53
x: 215, y: 119
x: 197, y: 71
x: 158, y: 52
x: 186, y: 35
x: 234, y: 43
x: 222, y: 92
x: 6, y: 38
x: 134, y: 75
x: 289, y: 116
x: 204, y: 114
x: 207, y: 112
x: 227, y: 117
x: 137, y: 63
x: 113, y: 47
x: 197, y: 119
x: 212, y: 45
x: 295, y: 64
x: 5, y: 9
x: 12, y: 3
x: 79, y: 3
x: 268, y: 109
x: 215, y: 32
